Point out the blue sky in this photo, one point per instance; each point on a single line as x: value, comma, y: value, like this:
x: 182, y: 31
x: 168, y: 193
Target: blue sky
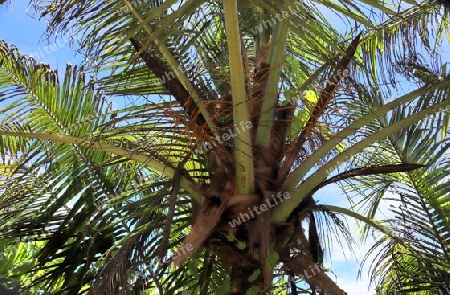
x: 27, y: 33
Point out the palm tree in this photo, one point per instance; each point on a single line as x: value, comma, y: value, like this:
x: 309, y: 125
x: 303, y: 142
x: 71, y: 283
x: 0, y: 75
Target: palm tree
x: 417, y: 260
x: 239, y: 119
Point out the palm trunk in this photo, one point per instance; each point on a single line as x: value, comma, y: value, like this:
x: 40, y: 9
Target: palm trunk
x: 304, y: 266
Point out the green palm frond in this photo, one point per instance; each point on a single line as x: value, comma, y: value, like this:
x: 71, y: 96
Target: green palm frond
x: 419, y: 212
x: 400, y: 36
x: 109, y: 193
x: 78, y: 216
x: 421, y: 220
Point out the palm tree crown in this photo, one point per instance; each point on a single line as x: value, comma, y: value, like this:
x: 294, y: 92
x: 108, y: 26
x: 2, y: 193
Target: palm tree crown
x: 243, y: 111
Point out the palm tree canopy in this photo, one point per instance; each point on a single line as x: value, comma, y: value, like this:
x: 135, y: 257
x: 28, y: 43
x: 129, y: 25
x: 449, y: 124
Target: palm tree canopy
x: 235, y: 104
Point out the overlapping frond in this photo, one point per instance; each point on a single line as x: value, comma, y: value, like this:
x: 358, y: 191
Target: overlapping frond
x: 421, y: 262
x: 416, y: 263
x: 80, y: 203
x: 122, y: 216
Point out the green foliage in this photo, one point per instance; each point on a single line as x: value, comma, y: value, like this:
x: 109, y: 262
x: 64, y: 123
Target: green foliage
x: 254, y: 275
x: 272, y: 259
x: 17, y: 261
x: 100, y: 190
